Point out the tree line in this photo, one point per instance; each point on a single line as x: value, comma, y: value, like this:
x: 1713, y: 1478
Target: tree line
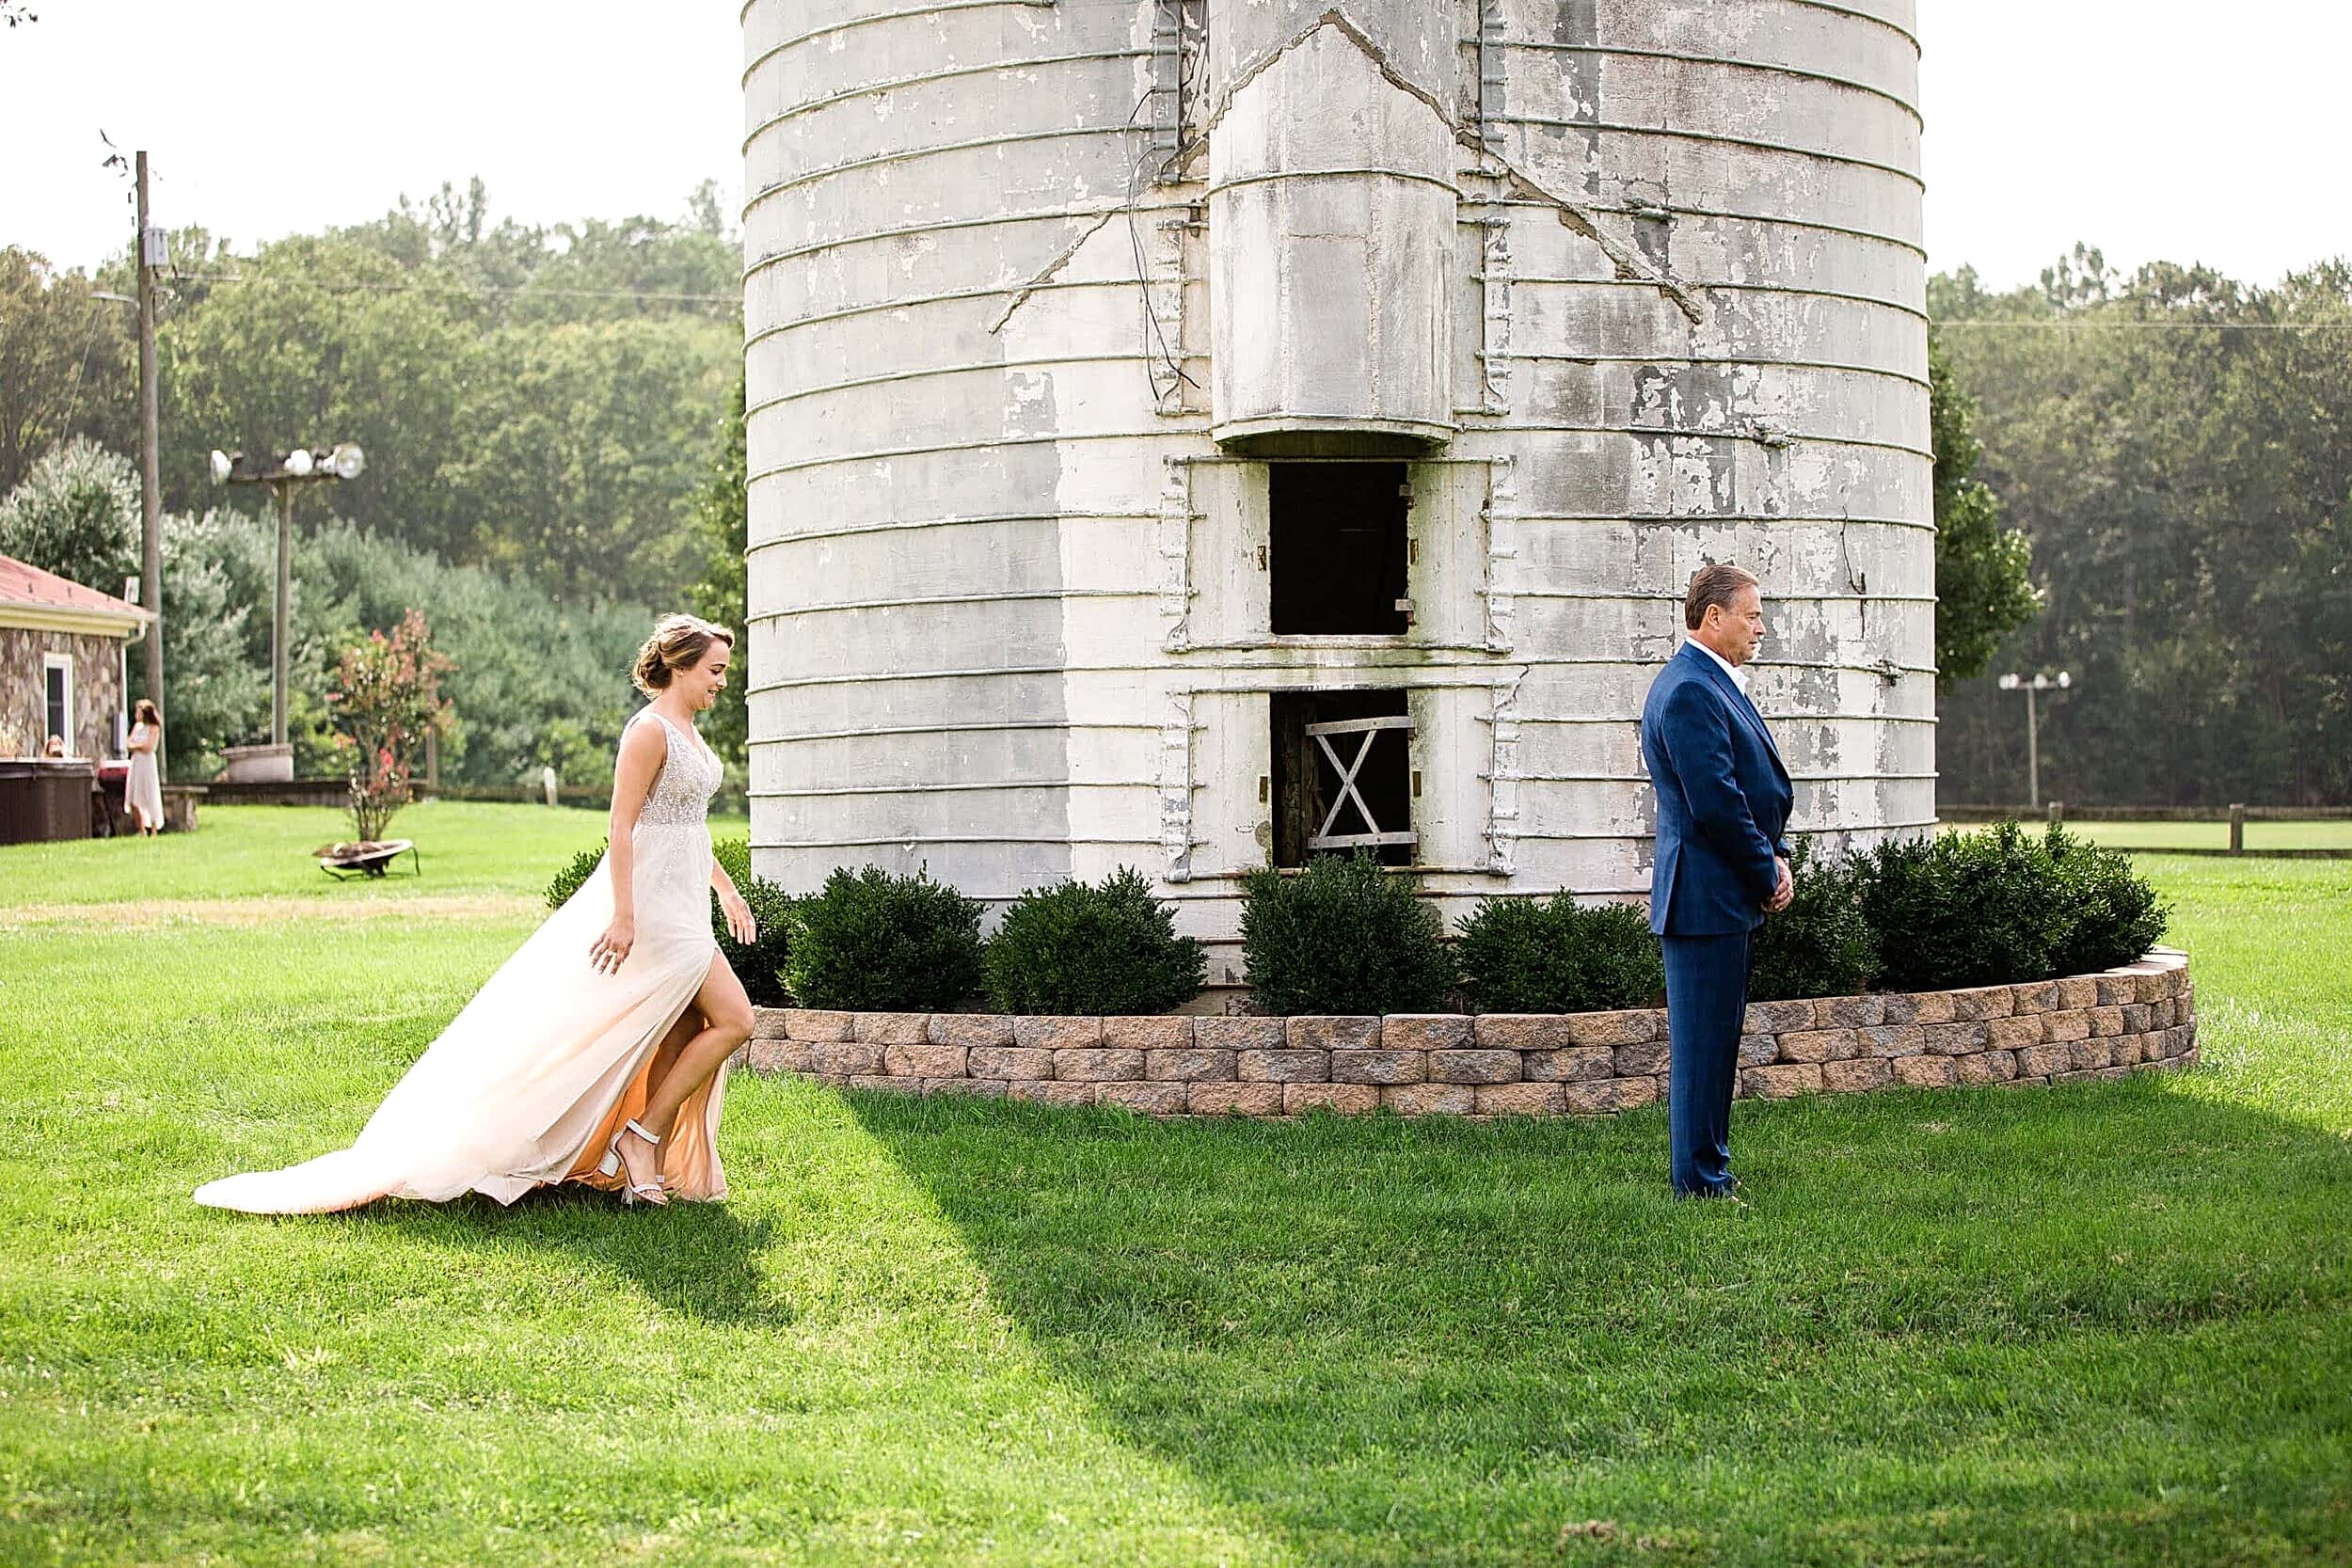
x: 530, y: 398
x: 2177, y: 448
x: 542, y: 407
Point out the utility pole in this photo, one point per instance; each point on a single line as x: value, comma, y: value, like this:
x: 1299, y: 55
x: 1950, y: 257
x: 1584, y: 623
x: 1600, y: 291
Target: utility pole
x: 149, y: 254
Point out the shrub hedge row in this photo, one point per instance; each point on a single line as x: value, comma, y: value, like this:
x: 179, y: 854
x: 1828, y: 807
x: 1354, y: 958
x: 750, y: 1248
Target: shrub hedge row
x: 870, y: 940
x: 1347, y: 937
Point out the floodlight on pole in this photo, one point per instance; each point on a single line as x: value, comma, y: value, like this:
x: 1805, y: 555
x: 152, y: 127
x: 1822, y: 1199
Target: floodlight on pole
x: 2040, y: 683
x: 281, y: 474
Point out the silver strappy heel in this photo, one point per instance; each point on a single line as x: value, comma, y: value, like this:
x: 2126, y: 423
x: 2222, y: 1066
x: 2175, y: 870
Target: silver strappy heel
x: 613, y: 1164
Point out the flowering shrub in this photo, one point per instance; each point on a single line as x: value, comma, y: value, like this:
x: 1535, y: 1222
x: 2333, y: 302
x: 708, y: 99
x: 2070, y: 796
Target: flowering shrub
x: 386, y: 697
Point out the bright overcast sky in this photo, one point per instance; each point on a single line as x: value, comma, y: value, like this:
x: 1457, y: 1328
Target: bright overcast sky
x: 2151, y: 128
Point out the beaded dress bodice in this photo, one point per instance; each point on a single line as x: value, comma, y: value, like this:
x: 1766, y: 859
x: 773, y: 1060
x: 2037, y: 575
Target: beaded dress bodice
x: 689, y: 776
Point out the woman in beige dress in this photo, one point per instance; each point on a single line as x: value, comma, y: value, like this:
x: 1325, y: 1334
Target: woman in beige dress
x: 143, y: 787
x: 597, y: 1053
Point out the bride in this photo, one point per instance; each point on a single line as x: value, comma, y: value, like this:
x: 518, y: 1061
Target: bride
x: 596, y: 1054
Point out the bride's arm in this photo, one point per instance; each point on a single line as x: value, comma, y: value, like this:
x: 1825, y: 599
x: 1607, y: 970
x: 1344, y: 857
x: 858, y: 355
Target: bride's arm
x: 739, y: 922
x: 642, y: 753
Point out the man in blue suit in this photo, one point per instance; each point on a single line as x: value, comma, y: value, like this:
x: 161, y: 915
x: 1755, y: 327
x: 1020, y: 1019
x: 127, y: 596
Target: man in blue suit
x: 1723, y: 800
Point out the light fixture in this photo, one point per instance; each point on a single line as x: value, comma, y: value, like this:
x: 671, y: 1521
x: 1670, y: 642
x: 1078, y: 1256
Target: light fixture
x: 346, y: 460
x: 222, y: 464
x: 298, y: 462
x: 2009, y: 683
x: 2065, y: 680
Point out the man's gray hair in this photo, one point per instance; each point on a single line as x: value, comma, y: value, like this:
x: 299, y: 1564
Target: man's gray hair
x: 1713, y: 584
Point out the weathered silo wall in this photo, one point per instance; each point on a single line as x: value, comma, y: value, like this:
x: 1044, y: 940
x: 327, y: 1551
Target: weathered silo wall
x: 1763, y: 400
x: 1043, y: 298
x: 1330, y: 185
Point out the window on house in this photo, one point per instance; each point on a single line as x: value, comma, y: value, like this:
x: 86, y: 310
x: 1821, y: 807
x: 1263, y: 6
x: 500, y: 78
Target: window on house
x: 1343, y: 775
x: 1339, y: 549
x: 57, y: 699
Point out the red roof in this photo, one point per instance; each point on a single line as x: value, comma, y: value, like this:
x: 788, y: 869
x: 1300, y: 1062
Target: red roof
x: 23, y: 584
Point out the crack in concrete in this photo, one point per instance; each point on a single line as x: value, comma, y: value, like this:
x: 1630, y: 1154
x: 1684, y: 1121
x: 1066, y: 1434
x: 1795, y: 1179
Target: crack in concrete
x: 1355, y: 35
x: 1021, y: 295
x: 1631, y: 267
x: 1629, y: 264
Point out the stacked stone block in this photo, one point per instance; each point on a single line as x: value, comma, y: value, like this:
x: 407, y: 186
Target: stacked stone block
x: 2137, y: 1018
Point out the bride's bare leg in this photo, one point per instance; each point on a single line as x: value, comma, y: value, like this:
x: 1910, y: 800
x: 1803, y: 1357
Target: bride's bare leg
x: 690, y: 1023
x: 726, y: 1024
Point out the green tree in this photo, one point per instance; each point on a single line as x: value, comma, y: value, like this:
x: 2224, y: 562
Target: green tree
x: 1984, y: 586
x: 321, y: 342
x: 588, y: 441
x: 537, y: 683
x: 2178, y: 447
x: 67, y: 364
x: 76, y: 514
x: 529, y: 398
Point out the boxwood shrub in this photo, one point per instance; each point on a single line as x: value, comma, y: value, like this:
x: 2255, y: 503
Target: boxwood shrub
x: 1079, y: 947
x: 2118, y: 916
x: 1535, y: 956
x: 1820, y: 944
x: 1999, y: 905
x: 774, y: 912
x: 1342, y: 936
x: 875, y: 942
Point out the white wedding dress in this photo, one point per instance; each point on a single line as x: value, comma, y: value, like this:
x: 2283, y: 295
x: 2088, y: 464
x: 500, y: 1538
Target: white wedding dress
x: 528, y: 1083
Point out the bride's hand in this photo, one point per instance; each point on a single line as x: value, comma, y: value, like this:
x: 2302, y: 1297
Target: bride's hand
x: 612, y: 949
x: 740, y: 926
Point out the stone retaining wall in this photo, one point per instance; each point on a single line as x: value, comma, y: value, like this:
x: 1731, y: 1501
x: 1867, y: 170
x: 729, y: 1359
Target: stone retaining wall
x: 2136, y: 1017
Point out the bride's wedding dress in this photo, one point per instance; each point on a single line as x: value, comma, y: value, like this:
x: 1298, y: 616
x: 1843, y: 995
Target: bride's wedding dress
x: 530, y: 1082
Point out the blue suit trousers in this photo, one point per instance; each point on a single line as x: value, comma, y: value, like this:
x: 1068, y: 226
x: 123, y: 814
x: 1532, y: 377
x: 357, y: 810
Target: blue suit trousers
x: 1706, y: 1003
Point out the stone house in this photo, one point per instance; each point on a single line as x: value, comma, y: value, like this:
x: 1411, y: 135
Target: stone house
x: 63, y: 663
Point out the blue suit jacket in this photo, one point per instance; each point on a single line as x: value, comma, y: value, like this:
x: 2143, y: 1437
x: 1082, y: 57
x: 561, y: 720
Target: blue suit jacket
x: 1723, y: 800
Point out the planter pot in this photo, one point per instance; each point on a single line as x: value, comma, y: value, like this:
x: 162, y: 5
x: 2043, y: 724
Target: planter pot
x: 259, y: 764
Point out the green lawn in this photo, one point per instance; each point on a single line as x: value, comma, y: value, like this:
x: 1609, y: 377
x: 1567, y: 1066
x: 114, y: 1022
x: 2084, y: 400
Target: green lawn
x: 2109, y: 1324
x: 2328, y: 833
x: 264, y: 851
x: 2320, y: 834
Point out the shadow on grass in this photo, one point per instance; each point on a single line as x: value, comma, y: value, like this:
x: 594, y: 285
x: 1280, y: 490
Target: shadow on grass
x: 696, y: 1260
x: 1439, y: 1341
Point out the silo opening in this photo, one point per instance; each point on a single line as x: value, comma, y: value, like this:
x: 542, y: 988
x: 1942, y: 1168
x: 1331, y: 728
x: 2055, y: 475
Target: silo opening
x: 1343, y: 775
x: 1339, y: 549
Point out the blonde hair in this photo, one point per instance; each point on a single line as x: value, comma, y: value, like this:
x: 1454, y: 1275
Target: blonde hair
x: 678, y: 643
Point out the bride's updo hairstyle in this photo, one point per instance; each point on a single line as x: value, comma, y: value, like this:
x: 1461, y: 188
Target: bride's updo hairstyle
x: 678, y: 643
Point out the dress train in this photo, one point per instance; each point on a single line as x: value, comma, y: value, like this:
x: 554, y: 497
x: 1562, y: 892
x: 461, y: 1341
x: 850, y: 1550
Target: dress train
x: 528, y: 1083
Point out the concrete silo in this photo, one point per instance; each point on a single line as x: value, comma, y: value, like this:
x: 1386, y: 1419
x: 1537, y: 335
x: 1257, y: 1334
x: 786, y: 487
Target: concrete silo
x: 1187, y: 434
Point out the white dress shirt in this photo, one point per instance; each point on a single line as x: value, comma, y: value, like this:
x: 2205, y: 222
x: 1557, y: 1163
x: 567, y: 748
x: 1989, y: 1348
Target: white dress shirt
x: 1738, y: 677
